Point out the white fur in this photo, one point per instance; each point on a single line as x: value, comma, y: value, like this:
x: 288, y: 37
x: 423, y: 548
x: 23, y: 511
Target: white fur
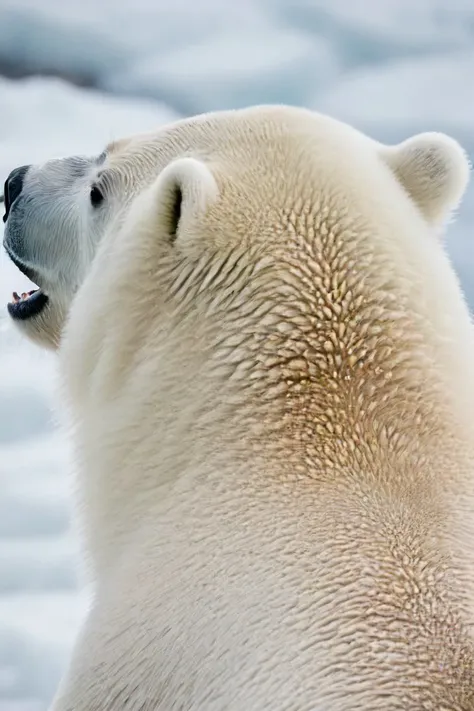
x: 434, y: 171
x: 272, y: 409
x: 192, y: 176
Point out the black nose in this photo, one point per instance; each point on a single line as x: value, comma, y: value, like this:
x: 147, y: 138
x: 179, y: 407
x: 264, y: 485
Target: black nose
x: 13, y: 187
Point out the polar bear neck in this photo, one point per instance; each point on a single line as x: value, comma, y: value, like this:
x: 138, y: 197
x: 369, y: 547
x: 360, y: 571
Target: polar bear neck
x: 329, y: 359
x: 301, y: 356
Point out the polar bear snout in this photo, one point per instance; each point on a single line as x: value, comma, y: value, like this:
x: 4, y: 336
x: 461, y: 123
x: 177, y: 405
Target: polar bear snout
x: 13, y: 187
x: 31, y: 303
x: 51, y: 231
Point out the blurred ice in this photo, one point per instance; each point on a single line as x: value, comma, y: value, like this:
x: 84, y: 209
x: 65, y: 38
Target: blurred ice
x: 219, y: 53
x: 392, y: 67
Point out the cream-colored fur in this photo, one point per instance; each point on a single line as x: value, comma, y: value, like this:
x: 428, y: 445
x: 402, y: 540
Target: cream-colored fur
x: 269, y: 366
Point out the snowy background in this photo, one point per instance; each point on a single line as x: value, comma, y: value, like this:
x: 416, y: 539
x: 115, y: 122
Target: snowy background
x: 74, y: 75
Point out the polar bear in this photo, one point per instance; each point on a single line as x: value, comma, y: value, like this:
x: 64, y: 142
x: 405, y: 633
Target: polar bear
x: 268, y: 365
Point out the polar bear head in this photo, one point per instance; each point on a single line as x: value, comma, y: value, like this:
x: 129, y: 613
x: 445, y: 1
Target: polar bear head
x: 286, y: 188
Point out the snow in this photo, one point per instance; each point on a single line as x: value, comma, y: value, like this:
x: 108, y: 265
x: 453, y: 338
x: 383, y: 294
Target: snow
x: 392, y: 67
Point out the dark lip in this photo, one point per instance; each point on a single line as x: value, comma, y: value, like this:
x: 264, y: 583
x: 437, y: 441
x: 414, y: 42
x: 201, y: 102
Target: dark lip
x: 34, y: 305
x: 28, y: 308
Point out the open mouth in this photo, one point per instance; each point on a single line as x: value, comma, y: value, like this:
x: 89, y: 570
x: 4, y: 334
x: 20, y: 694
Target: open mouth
x: 29, y: 303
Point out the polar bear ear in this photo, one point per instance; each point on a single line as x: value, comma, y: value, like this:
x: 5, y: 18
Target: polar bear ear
x: 183, y: 192
x: 434, y: 170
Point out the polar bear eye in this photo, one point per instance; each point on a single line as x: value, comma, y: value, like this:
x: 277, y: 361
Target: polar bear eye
x: 96, y: 196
